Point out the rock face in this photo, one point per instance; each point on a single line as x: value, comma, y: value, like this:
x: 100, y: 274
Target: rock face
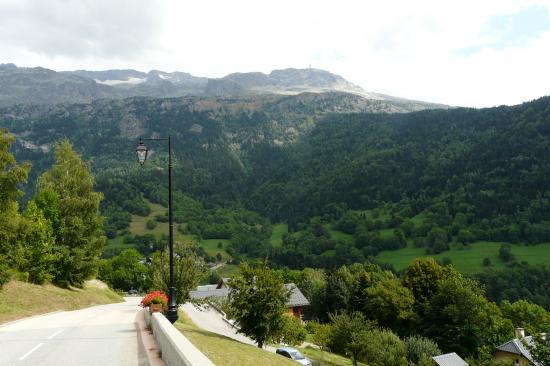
x: 42, y: 86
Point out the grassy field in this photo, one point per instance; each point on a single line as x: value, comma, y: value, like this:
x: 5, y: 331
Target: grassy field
x: 211, y: 247
x: 277, y: 235
x: 21, y: 299
x: 319, y: 358
x: 469, y: 260
x: 338, y: 235
x: 138, y: 227
x: 223, y: 351
x: 228, y: 270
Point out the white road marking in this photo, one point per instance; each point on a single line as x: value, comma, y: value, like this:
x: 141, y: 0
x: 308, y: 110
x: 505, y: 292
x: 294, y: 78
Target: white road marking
x: 56, y: 333
x: 31, y: 351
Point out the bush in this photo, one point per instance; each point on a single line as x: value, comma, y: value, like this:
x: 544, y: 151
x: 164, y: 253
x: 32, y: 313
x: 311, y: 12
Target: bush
x: 150, y: 225
x: 384, y: 348
x: 321, y: 335
x: 343, y: 327
x: 505, y: 253
x: 419, y: 347
x: 292, y: 332
x: 161, y: 218
x: 4, y: 272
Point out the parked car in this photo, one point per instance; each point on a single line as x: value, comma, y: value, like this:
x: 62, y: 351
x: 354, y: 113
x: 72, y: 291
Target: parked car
x: 132, y: 292
x: 293, y: 354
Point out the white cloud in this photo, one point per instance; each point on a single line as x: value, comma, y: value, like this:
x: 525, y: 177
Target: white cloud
x: 403, y: 48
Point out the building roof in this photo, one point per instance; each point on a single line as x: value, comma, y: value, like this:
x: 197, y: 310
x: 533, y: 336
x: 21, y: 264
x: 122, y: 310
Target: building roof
x: 203, y: 294
x: 449, y: 359
x: 517, y: 347
x: 297, y: 298
x: 206, y: 287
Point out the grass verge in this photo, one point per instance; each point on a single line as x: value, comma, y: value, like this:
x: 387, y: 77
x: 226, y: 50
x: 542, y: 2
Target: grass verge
x: 22, y: 299
x: 319, y: 358
x: 224, y: 351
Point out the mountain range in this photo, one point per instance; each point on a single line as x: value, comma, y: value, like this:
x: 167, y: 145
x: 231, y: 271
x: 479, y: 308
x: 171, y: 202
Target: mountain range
x: 37, y: 85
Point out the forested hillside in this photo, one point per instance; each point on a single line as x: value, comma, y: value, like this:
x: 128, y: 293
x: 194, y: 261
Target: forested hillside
x: 349, y: 181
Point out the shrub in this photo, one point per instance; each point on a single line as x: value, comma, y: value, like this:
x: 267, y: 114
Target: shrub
x: 292, y: 332
x: 155, y: 297
x: 321, y: 335
x: 419, y: 347
x: 343, y: 327
x: 4, y: 272
x: 150, y: 225
x: 384, y: 348
x: 161, y: 218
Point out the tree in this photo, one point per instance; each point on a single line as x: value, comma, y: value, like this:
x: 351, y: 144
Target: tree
x: 321, y: 335
x: 292, y: 332
x: 257, y: 301
x: 382, y: 347
x: 125, y: 271
x: 356, y: 348
x: 422, y: 278
x: 36, y: 234
x: 11, y: 176
x: 150, y: 224
x: 527, y: 315
x: 419, y: 347
x: 74, y: 213
x: 505, y: 253
x: 338, y: 290
x: 540, y: 349
x: 390, y: 303
x: 312, y: 285
x: 189, y: 268
x: 344, y: 325
x: 460, y: 319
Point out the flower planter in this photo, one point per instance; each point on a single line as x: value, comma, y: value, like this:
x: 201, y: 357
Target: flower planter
x: 155, y: 308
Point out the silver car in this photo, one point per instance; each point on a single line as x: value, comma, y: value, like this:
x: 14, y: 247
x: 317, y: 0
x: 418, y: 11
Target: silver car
x: 293, y: 354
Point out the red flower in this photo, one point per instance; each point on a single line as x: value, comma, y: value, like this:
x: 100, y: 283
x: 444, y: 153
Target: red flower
x: 155, y: 297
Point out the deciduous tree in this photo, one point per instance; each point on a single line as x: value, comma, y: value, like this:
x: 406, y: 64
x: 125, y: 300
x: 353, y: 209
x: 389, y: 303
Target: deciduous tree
x: 257, y: 302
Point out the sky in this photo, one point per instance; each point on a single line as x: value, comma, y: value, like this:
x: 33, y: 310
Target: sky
x: 478, y: 53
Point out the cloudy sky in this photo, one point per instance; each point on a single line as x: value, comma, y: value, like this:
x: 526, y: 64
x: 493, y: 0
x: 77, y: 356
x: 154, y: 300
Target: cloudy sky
x: 470, y: 53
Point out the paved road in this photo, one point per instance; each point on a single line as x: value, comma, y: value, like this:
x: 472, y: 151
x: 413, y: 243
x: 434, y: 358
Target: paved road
x: 209, y: 319
x: 99, y: 335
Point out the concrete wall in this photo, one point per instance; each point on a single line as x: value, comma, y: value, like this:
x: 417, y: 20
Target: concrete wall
x: 176, y: 349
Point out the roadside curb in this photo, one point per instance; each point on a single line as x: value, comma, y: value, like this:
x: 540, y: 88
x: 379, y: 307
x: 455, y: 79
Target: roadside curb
x: 147, y: 342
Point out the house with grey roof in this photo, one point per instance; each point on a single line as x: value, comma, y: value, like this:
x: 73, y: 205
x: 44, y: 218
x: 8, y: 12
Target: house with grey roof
x: 516, y: 350
x: 449, y: 359
x: 295, y: 303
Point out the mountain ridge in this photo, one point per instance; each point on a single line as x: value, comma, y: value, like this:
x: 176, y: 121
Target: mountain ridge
x: 38, y: 85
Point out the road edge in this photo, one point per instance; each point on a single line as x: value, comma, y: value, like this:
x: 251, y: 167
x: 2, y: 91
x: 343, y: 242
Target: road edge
x: 146, y: 341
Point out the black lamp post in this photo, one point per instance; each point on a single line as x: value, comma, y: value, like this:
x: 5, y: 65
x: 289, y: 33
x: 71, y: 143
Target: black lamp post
x: 141, y: 151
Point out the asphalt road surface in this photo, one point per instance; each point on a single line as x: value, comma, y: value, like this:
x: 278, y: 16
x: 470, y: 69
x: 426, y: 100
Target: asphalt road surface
x: 99, y: 335
x: 209, y: 319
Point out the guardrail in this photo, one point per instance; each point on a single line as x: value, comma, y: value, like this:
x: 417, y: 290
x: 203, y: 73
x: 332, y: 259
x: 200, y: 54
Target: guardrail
x: 176, y: 349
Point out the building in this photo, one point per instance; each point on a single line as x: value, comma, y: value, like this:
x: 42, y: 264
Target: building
x: 295, y: 303
x: 515, y: 350
x: 449, y: 359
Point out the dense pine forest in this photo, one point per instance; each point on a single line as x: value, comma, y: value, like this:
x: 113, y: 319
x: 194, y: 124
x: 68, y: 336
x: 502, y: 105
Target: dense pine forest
x: 348, y: 182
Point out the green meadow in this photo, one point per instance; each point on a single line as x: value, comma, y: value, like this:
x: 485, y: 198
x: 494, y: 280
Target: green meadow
x: 468, y: 260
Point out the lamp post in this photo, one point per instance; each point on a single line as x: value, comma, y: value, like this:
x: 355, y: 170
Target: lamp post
x: 142, y: 152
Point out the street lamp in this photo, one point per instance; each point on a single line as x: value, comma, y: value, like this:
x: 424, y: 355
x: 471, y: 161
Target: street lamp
x: 142, y: 152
